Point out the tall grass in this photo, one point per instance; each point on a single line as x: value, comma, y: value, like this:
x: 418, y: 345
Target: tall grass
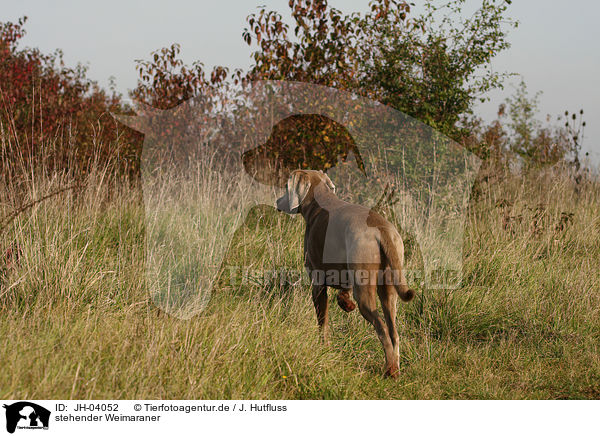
x: 77, y: 319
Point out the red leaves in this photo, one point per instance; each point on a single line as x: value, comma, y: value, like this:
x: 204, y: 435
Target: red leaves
x: 246, y: 36
x: 43, y: 102
x: 166, y: 81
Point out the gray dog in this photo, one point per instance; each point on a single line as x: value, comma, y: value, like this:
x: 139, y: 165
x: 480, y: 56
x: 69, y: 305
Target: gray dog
x: 349, y: 247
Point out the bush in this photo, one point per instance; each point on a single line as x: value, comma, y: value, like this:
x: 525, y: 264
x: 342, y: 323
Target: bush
x: 54, y: 115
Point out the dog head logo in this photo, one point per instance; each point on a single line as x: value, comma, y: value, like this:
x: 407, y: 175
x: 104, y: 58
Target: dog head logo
x: 232, y: 155
x: 26, y: 415
x: 300, y: 142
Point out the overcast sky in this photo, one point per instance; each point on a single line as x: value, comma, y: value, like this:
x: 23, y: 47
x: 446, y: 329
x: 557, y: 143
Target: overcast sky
x: 554, y: 48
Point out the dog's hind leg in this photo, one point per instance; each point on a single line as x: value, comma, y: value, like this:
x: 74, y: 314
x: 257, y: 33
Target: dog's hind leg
x: 319, y: 297
x: 389, y: 299
x: 365, y: 296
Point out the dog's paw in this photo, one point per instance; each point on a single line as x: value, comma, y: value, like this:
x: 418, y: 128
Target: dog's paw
x: 407, y: 295
x: 345, y: 302
x: 392, y: 371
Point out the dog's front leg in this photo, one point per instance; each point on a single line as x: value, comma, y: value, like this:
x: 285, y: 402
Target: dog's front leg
x: 319, y: 296
x: 344, y: 300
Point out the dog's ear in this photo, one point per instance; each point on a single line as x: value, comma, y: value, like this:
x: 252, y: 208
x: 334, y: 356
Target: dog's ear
x: 298, y: 186
x: 328, y: 182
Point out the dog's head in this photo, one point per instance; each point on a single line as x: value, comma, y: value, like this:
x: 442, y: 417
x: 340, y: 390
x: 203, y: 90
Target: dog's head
x: 300, y: 189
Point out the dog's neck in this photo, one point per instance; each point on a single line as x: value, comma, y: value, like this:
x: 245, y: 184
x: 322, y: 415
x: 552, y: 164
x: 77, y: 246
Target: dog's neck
x: 320, y: 199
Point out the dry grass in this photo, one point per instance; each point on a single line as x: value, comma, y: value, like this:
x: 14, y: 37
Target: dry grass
x: 77, y: 320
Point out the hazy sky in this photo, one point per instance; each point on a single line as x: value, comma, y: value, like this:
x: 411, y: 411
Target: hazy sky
x: 554, y: 48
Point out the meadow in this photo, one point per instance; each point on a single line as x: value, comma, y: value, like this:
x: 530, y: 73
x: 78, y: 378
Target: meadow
x: 77, y: 320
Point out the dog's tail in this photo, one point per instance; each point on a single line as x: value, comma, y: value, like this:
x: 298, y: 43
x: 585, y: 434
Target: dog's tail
x: 390, y: 243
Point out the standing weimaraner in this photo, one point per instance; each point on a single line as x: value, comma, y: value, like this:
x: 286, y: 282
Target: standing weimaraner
x: 348, y: 246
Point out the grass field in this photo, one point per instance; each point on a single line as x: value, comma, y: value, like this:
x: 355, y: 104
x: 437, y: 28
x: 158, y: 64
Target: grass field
x: 77, y: 321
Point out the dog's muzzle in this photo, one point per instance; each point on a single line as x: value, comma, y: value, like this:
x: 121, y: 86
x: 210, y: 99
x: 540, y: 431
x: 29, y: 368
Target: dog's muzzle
x: 283, y: 205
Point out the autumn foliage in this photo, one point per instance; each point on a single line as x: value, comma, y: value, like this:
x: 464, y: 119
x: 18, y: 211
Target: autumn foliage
x: 433, y: 66
x: 51, y: 114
